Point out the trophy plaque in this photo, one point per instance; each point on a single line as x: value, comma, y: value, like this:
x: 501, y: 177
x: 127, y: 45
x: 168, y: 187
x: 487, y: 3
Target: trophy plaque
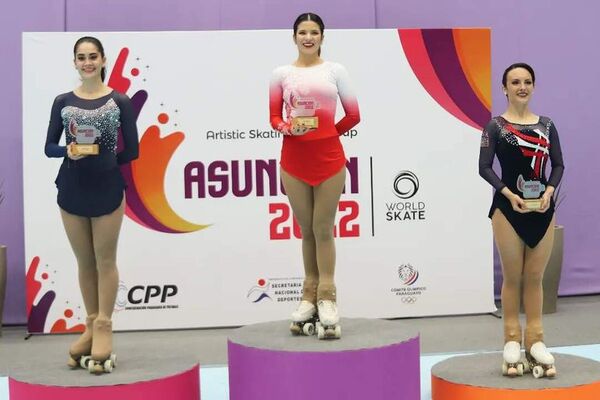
x: 533, y: 204
x: 305, y: 122
x: 84, y: 139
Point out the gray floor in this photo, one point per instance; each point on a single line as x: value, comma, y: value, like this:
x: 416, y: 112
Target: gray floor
x: 576, y: 322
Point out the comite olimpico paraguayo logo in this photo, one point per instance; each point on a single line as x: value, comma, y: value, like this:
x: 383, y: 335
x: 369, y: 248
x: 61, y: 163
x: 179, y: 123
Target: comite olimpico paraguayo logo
x: 408, y: 293
x: 408, y: 274
x: 405, y: 187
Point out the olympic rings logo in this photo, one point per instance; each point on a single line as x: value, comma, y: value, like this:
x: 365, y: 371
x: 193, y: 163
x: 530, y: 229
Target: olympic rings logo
x: 409, y: 299
x: 411, y: 179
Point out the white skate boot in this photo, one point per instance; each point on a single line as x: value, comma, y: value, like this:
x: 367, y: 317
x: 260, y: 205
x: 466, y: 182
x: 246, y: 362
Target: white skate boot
x: 304, y: 319
x: 541, y: 362
x: 512, y: 365
x: 328, y: 325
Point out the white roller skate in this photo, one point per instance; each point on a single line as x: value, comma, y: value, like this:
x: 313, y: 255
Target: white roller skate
x: 512, y: 364
x: 540, y: 361
x: 304, y: 319
x: 102, y: 358
x: 327, y: 326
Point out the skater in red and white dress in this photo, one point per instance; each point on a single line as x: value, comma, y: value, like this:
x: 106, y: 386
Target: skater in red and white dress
x: 302, y: 99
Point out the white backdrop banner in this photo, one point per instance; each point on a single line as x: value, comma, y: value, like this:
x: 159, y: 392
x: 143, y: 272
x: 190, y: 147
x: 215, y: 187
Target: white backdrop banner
x: 209, y: 239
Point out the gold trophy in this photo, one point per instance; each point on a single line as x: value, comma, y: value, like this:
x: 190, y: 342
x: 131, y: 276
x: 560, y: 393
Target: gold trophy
x: 304, y: 111
x: 85, y: 138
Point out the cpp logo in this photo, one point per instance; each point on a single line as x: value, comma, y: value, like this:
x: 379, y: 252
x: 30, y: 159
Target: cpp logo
x: 406, y: 184
x: 140, y: 293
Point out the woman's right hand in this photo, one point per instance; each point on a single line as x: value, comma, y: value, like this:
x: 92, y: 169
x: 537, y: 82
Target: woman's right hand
x: 300, y: 130
x: 71, y: 154
x: 516, y: 201
x: 518, y: 204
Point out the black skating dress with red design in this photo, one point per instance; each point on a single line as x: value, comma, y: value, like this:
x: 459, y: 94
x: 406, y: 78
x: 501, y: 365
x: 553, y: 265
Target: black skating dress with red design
x: 523, y: 151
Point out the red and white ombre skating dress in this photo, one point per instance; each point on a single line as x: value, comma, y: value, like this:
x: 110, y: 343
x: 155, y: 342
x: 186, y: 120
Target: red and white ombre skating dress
x: 312, y: 92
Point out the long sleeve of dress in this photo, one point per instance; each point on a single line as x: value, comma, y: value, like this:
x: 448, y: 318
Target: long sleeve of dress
x: 348, y: 100
x: 276, y: 105
x: 129, y: 131
x: 55, y: 129
x: 487, y: 151
x: 556, y: 158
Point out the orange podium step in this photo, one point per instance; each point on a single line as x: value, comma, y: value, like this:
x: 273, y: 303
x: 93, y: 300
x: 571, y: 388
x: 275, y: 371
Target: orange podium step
x: 479, y: 376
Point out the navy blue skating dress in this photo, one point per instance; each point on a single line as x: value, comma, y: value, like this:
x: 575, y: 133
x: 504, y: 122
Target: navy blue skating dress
x: 523, y: 151
x: 92, y: 186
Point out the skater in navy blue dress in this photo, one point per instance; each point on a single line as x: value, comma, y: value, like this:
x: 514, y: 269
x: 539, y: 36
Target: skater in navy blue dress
x: 522, y: 214
x: 91, y: 191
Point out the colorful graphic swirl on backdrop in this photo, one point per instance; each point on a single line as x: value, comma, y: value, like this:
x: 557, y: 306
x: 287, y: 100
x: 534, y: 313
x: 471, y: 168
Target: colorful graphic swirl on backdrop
x: 453, y: 65
x: 146, y: 199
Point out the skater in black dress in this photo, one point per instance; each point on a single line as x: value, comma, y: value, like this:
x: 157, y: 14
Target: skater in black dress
x: 91, y: 190
x: 523, y: 231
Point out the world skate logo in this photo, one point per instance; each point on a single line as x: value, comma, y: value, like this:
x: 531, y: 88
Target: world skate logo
x: 408, y: 274
x: 279, y: 290
x: 406, y: 184
x: 530, y: 189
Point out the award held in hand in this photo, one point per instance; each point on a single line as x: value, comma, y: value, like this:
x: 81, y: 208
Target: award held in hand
x: 85, y: 138
x: 305, y: 108
x: 531, y: 193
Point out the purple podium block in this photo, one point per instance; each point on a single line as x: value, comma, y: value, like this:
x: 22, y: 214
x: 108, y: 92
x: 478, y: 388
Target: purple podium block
x: 374, y: 359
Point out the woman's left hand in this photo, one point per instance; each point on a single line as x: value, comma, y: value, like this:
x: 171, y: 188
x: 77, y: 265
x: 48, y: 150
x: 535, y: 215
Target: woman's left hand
x: 546, y: 200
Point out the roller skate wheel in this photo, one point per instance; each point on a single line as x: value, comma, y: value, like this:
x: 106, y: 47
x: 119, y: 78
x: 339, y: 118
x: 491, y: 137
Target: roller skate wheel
x: 551, y: 372
x: 520, y: 369
x: 320, y: 331
x: 108, y: 366
x: 538, y: 371
x: 113, y: 358
x: 308, y: 329
x: 91, y: 366
x: 84, y: 361
x: 338, y: 331
x: 504, y: 369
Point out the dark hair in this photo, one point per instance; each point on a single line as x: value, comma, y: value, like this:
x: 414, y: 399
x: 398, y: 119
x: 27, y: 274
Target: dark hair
x: 95, y: 42
x: 515, y: 66
x: 309, y: 17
